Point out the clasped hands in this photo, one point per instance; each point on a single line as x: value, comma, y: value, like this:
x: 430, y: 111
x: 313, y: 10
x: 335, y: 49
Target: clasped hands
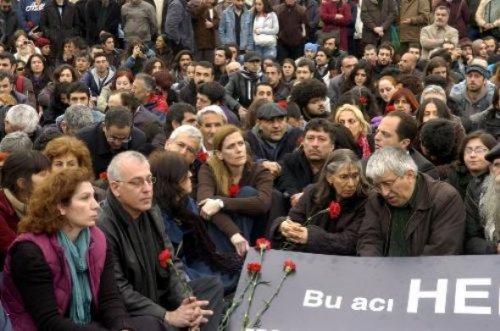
x: 294, y: 232
x: 190, y: 314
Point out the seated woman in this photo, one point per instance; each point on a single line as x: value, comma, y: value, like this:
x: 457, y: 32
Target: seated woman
x: 183, y: 224
x: 313, y: 225
x: 63, y: 257
x: 21, y: 172
x: 121, y: 82
x: 234, y: 193
x: 68, y: 152
x: 352, y: 118
x: 403, y: 100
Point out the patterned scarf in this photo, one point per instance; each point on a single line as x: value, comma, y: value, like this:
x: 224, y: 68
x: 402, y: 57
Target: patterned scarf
x: 365, y: 146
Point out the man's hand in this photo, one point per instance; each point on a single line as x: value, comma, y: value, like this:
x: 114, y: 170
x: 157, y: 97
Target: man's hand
x: 240, y: 244
x: 189, y: 314
x: 242, y: 112
x: 273, y: 167
x: 208, y: 24
x: 295, y: 198
x: 379, y: 30
x: 209, y: 207
x: 406, y: 21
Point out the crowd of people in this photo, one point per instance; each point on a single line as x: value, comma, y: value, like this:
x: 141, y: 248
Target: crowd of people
x: 146, y: 144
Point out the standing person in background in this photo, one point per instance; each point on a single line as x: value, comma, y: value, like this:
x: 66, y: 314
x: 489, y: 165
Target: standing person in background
x: 435, y: 34
x: 488, y: 18
x: 413, y: 16
x: 377, y: 17
x: 178, y: 27
x: 205, y: 24
x: 336, y: 15
x: 265, y: 29
x: 236, y: 26
x: 8, y: 20
x: 29, y: 13
x: 60, y: 21
x: 292, y: 19
x: 459, y: 15
x: 138, y: 20
x: 103, y: 16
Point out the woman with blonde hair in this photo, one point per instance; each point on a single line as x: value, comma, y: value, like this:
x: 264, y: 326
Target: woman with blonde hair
x: 352, y: 118
x: 63, y: 257
x: 234, y: 193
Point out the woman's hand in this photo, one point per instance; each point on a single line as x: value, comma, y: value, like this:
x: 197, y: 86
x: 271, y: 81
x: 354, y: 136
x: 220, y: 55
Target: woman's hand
x: 209, y: 207
x: 240, y: 243
x: 294, y: 232
x: 136, y: 53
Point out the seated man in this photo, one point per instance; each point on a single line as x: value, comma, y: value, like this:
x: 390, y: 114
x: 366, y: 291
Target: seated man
x: 483, y: 212
x: 272, y: 138
x: 399, y: 129
x: 303, y: 166
x: 410, y: 214
x: 110, y: 137
x: 136, y: 235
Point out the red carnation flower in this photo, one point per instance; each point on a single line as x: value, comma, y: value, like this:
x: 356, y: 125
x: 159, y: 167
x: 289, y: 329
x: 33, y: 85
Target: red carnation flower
x: 340, y: 11
x: 165, y: 257
x: 202, y: 156
x: 390, y: 108
x: 283, y: 104
x: 103, y: 175
x: 262, y: 244
x: 253, y: 267
x: 289, y: 266
x: 334, y: 209
x: 363, y: 100
x: 299, y: 140
x: 29, y: 24
x: 233, y: 190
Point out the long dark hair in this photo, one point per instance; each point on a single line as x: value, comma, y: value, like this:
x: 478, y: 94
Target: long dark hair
x: 349, y: 83
x: 170, y: 169
x: 324, y: 192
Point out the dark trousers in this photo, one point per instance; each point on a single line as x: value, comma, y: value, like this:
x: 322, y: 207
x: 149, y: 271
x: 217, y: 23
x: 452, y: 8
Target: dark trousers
x: 292, y: 52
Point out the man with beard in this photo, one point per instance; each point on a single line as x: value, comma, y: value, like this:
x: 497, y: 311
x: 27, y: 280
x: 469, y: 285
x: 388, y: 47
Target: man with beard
x: 222, y: 57
x: 241, y: 86
x: 475, y: 95
x: 483, y: 217
x: 434, y: 35
x: 203, y: 73
x: 303, y: 166
x: 310, y: 96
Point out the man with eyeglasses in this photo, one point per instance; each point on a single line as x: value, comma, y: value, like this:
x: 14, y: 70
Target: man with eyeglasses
x: 136, y: 235
x: 483, y: 211
x: 106, y: 139
x: 409, y: 214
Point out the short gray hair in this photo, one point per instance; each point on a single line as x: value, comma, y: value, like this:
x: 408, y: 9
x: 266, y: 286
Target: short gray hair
x: 191, y: 131
x: 115, y: 166
x: 23, y: 118
x: 149, y: 81
x: 77, y: 117
x: 386, y: 159
x: 436, y: 89
x: 16, y: 141
x: 212, y: 109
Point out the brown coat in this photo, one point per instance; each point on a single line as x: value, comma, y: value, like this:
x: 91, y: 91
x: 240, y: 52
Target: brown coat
x: 436, y: 227
x: 373, y: 16
x: 326, y: 236
x: 418, y: 12
x: 255, y: 176
x: 205, y: 38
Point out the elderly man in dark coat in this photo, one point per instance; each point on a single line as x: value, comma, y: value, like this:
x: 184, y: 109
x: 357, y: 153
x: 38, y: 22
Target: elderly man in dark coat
x: 377, y: 17
x: 410, y: 214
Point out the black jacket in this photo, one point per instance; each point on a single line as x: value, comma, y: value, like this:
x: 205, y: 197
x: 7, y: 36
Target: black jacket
x: 60, y: 27
x: 8, y: 24
x: 326, y: 236
x: 261, y: 149
x: 241, y: 88
x: 110, y: 20
x: 487, y: 120
x: 296, y: 174
x: 93, y: 136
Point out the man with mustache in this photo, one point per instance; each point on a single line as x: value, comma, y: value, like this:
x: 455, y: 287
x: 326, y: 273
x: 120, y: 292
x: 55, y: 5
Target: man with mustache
x: 434, y: 35
x: 483, y: 215
x: 303, y: 166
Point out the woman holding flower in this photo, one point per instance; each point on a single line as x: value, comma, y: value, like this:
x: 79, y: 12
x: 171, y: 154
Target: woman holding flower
x: 327, y: 217
x: 234, y: 193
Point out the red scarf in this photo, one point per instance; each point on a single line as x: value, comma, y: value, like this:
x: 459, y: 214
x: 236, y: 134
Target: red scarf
x: 365, y: 146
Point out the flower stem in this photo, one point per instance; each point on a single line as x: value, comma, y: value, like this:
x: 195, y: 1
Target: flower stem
x: 255, y: 323
x: 246, y: 317
x: 185, y: 287
x: 232, y: 308
x: 290, y: 246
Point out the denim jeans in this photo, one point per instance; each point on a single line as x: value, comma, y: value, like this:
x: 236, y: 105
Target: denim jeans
x: 266, y: 52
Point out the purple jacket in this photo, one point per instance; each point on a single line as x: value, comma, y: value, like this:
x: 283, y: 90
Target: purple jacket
x: 54, y: 254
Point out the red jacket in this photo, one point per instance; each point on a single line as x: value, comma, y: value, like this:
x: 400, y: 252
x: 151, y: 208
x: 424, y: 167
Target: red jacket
x: 328, y: 11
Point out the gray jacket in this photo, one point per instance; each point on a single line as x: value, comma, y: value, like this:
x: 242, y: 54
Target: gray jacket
x: 178, y: 26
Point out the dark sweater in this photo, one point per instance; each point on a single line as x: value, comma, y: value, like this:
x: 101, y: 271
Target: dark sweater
x: 33, y: 276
